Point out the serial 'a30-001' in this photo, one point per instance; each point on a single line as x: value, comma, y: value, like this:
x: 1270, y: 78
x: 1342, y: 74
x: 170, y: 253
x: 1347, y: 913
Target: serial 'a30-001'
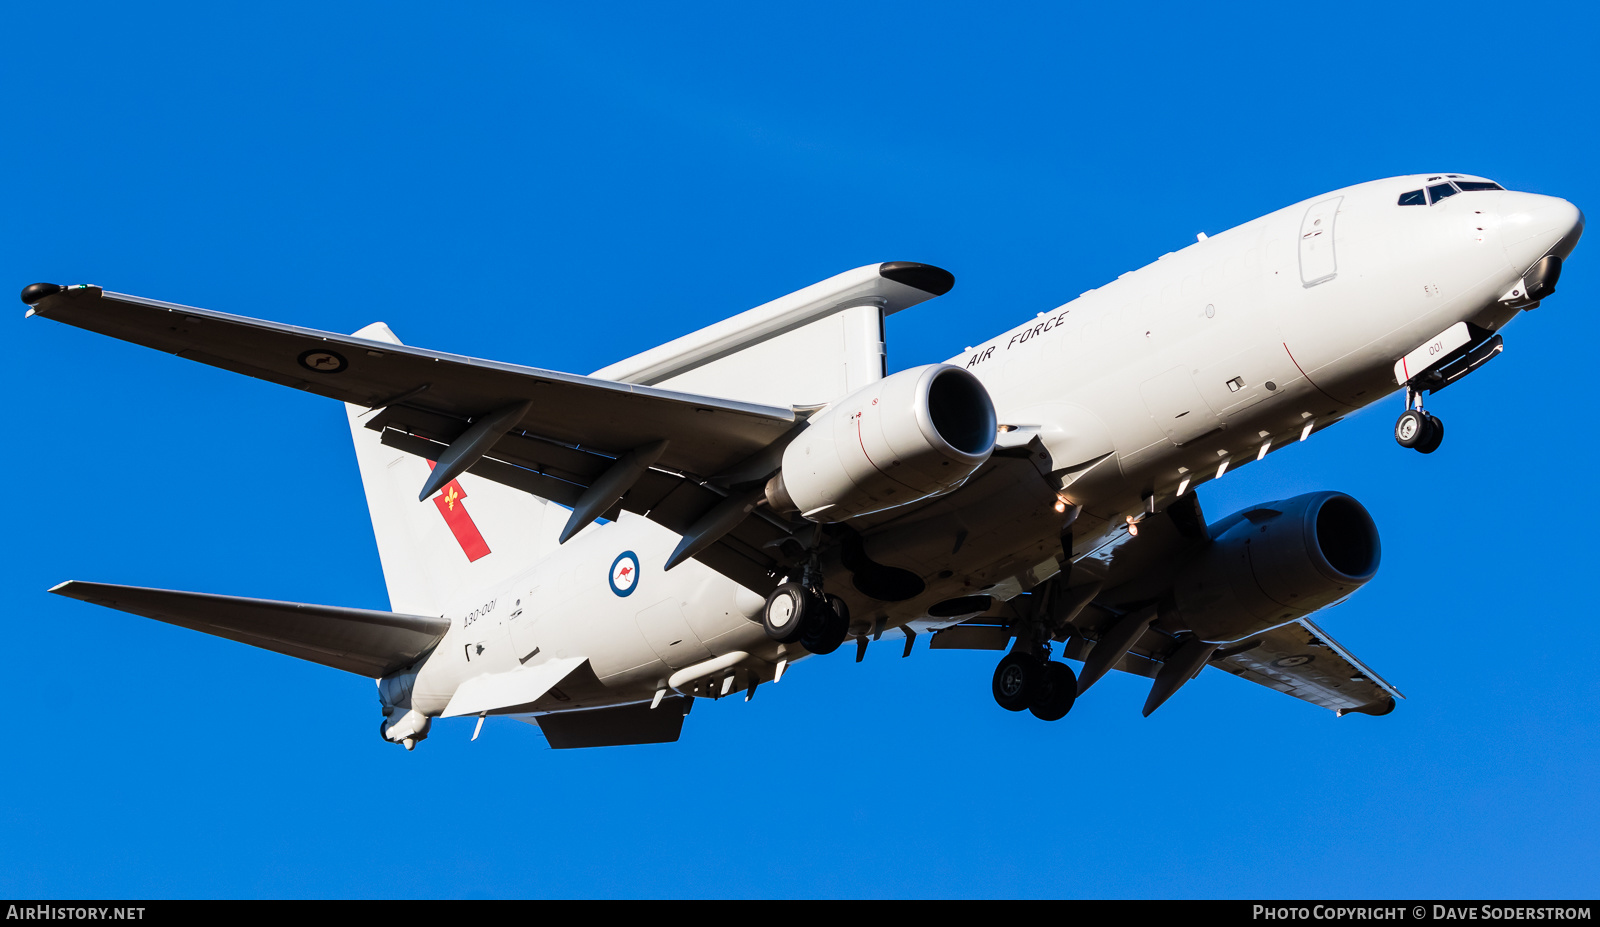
x: 592, y: 553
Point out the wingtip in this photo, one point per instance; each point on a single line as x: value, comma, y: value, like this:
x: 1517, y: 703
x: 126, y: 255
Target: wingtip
x: 58, y: 587
x: 1376, y: 711
x: 34, y: 292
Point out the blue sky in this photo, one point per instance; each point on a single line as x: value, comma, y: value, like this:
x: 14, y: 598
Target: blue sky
x: 564, y: 187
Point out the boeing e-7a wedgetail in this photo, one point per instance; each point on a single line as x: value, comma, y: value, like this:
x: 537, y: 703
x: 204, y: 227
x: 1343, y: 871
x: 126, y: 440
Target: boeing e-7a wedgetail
x: 591, y: 554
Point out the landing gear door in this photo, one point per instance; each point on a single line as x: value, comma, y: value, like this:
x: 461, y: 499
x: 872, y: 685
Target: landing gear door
x: 1317, y: 261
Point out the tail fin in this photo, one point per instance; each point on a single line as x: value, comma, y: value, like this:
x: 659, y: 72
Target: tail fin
x: 469, y: 536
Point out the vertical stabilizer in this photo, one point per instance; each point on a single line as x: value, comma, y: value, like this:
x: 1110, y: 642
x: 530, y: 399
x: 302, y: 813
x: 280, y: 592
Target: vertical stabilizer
x: 464, y: 539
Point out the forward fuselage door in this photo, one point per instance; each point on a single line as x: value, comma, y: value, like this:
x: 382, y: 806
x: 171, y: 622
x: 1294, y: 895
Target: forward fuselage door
x: 1318, y: 263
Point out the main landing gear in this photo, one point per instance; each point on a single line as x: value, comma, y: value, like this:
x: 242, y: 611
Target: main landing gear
x: 801, y: 613
x: 796, y: 613
x: 1416, y: 428
x: 1028, y: 681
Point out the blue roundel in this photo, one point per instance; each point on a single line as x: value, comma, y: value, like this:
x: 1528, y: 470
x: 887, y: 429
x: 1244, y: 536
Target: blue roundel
x: 625, y: 573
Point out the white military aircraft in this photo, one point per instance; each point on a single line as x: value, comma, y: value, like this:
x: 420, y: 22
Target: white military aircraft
x: 592, y: 553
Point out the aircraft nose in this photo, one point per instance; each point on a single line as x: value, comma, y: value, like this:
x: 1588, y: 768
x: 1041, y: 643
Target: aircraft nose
x: 1533, y: 226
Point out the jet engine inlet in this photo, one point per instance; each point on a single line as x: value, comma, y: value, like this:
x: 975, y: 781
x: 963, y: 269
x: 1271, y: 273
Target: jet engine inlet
x: 906, y: 437
x: 961, y: 411
x: 1277, y: 562
x: 1347, y: 538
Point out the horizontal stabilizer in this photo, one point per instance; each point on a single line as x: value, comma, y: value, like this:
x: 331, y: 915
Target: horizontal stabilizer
x: 357, y: 640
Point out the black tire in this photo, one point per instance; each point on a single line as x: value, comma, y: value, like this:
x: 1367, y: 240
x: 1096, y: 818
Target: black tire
x: 1017, y: 681
x: 826, y: 626
x: 1411, y: 428
x: 788, y: 612
x: 831, y: 626
x: 1060, y: 691
x: 1434, y: 436
x: 836, y: 605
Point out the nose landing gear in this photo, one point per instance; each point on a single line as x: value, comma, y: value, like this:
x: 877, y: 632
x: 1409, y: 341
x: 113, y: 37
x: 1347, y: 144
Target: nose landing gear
x: 1416, y: 428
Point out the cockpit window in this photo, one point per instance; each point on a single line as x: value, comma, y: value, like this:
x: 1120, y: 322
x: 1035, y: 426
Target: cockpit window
x: 1413, y: 198
x: 1441, y: 190
x: 1470, y: 186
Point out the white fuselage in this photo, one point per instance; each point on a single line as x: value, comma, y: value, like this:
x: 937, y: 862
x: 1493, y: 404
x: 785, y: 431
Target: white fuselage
x: 1160, y: 380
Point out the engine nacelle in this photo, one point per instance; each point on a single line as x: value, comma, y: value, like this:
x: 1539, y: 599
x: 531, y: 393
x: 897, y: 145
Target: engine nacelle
x: 1276, y: 562
x: 915, y: 434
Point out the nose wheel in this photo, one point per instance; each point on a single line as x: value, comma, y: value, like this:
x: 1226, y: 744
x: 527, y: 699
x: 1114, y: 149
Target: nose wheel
x: 1417, y: 429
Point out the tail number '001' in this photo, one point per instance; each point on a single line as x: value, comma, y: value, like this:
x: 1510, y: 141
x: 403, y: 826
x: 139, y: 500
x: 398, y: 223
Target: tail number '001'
x: 477, y: 613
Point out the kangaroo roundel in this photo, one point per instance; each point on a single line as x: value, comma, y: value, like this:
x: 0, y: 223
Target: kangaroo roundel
x: 625, y: 573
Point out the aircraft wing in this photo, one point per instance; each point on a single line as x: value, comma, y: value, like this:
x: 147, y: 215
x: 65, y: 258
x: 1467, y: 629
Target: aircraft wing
x: 1301, y: 660
x: 356, y: 640
x: 1134, y: 570
x: 1298, y: 658
x: 707, y: 435
x: 569, y: 431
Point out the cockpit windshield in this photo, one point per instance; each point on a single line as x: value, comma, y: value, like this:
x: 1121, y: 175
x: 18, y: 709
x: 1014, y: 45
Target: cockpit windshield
x: 1438, y: 191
